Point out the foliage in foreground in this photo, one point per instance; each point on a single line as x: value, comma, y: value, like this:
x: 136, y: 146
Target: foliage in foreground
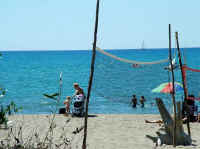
x: 10, y: 109
x: 36, y: 140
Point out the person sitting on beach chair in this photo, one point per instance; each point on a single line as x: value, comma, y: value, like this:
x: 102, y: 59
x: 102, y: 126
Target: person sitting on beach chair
x: 78, y: 101
x: 189, y: 108
x: 78, y: 90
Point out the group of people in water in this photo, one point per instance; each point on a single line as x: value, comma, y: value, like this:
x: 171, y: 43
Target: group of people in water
x: 134, y: 101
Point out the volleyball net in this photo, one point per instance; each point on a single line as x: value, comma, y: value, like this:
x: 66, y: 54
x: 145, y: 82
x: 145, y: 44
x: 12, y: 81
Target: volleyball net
x: 118, y: 74
x: 192, y: 80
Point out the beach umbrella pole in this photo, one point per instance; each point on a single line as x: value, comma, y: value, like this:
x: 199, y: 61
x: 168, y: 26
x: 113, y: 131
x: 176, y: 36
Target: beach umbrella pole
x: 91, y: 76
x: 184, y: 84
x: 173, y: 89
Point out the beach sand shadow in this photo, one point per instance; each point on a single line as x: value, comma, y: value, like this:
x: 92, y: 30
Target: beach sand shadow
x: 89, y: 115
x: 163, y: 137
x: 92, y: 115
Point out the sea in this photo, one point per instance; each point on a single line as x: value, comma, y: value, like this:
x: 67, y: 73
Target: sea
x: 27, y: 75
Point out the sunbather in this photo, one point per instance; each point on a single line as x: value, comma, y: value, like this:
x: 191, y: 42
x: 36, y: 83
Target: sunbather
x: 154, y: 121
x: 160, y: 121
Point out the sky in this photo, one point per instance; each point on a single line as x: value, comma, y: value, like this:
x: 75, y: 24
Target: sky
x: 123, y: 24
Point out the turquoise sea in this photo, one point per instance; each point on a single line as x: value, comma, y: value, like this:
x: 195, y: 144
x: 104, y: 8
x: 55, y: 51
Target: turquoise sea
x: 26, y: 75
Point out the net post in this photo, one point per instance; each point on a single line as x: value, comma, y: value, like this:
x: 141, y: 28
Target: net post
x: 173, y: 89
x: 91, y: 75
x: 184, y: 83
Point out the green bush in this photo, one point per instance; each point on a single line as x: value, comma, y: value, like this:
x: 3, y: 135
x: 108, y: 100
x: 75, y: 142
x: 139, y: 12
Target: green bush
x: 10, y: 109
x: 3, y: 118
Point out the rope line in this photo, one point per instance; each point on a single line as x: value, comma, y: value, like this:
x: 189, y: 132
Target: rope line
x: 130, y: 61
x: 191, y: 69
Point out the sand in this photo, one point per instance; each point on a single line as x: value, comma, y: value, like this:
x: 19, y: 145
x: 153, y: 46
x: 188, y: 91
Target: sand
x: 104, y: 131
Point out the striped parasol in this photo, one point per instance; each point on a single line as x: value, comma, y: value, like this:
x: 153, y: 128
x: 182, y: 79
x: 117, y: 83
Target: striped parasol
x: 168, y: 87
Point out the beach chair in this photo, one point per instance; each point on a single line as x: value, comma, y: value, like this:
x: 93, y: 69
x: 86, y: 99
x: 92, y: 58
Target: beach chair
x: 78, y: 105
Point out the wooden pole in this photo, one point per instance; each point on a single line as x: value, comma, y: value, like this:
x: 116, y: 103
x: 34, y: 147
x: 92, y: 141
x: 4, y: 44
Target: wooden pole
x: 184, y: 58
x: 60, y: 88
x: 173, y: 89
x: 91, y: 75
x: 184, y: 85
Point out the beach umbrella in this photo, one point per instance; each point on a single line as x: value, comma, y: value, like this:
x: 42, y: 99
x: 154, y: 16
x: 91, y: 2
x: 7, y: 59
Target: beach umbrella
x: 168, y: 87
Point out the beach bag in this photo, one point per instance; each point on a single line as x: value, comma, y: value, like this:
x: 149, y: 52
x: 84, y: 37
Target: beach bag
x: 62, y: 111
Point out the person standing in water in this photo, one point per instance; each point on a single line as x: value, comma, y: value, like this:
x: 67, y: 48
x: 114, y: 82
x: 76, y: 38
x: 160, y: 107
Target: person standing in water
x: 134, y: 101
x: 142, y: 100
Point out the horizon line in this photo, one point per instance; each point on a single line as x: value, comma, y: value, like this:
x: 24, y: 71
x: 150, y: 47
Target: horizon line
x: 87, y: 49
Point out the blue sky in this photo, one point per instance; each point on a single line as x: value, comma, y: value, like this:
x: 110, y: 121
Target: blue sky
x: 69, y: 24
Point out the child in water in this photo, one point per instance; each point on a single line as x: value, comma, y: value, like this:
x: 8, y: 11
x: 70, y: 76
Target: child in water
x: 67, y: 104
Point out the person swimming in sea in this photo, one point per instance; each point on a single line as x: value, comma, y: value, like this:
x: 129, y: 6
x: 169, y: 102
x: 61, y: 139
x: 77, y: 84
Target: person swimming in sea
x: 136, y: 65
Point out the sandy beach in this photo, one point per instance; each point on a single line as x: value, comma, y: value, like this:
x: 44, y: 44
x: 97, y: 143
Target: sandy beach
x: 104, y: 131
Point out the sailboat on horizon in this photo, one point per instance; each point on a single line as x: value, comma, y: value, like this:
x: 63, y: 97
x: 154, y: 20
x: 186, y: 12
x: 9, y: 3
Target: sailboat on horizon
x: 142, y: 46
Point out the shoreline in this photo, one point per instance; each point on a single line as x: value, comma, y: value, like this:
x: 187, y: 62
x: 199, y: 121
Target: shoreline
x: 125, y: 114
x: 108, y: 131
